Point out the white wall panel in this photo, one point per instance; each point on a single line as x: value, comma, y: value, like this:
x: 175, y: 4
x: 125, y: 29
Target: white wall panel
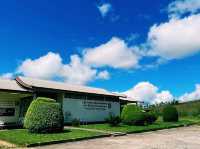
x: 89, y: 110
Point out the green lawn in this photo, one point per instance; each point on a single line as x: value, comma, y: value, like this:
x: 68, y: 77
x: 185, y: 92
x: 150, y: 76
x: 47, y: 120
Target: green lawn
x: 21, y: 137
x: 136, y: 129
x: 193, y: 119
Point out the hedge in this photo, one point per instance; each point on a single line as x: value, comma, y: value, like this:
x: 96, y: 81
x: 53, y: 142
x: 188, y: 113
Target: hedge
x: 44, y: 116
x: 170, y: 114
x: 132, y: 115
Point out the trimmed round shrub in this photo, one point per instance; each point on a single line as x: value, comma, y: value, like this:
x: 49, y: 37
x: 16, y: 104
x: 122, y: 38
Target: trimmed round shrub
x: 170, y: 114
x: 44, y: 115
x: 151, y: 117
x: 133, y: 115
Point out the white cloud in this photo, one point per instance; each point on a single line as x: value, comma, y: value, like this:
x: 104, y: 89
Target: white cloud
x: 143, y: 91
x: 115, y: 53
x: 104, y: 75
x: 104, y: 9
x: 50, y: 66
x: 149, y: 93
x: 194, y: 95
x: 175, y: 39
x: 77, y: 72
x: 45, y: 67
x: 7, y: 76
x: 180, y: 7
x: 163, y: 96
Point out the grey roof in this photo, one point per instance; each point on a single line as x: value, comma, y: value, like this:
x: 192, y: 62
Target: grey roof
x: 11, y: 85
x: 37, y: 83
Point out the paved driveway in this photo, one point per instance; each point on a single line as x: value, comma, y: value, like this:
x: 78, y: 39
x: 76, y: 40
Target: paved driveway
x: 179, y: 138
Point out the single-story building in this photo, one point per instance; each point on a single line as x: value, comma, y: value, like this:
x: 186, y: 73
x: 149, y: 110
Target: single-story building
x: 85, y: 103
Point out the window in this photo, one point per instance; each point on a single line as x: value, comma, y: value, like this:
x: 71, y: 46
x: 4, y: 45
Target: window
x: 75, y: 96
x: 7, y: 111
x: 95, y: 97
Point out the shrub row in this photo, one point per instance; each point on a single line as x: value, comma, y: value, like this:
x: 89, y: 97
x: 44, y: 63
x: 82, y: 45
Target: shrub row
x: 45, y: 116
x: 134, y: 115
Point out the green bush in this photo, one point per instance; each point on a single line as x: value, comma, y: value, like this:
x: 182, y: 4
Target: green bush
x: 113, y: 120
x: 132, y: 115
x: 170, y: 114
x: 151, y: 117
x: 44, y: 115
x: 76, y: 122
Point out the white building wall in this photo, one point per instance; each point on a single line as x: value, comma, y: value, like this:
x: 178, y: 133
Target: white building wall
x: 89, y: 110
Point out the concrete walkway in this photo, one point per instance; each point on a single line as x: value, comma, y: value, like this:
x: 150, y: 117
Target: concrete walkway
x: 177, y: 138
x: 95, y: 130
x: 7, y: 144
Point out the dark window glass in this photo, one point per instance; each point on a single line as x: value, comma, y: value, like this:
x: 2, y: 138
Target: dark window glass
x: 7, y: 111
x: 75, y: 96
x: 95, y: 97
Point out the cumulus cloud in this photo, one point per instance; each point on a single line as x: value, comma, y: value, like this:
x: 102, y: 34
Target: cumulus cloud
x: 77, y: 72
x: 45, y: 67
x: 180, y: 7
x: 194, y: 95
x: 175, y: 39
x: 148, y: 93
x: 104, y: 9
x: 163, y: 96
x: 7, y: 76
x: 143, y: 91
x: 115, y: 53
x: 50, y: 66
x: 83, y: 68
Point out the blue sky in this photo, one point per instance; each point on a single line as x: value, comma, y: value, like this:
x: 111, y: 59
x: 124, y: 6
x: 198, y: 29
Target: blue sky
x: 113, y: 44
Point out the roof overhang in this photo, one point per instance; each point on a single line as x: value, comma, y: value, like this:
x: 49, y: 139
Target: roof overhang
x: 52, y: 86
x: 11, y: 86
x: 130, y: 100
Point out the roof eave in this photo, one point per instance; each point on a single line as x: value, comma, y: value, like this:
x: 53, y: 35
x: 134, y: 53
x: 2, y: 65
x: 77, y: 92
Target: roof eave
x: 22, y: 83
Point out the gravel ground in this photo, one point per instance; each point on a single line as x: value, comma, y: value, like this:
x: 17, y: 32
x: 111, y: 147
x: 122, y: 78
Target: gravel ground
x: 178, y: 138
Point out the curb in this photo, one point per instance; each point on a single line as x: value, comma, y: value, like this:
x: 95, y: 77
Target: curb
x: 118, y: 134
x: 66, y: 141
x: 156, y: 129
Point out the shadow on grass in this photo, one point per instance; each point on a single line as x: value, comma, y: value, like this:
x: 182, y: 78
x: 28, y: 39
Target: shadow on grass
x: 51, y: 133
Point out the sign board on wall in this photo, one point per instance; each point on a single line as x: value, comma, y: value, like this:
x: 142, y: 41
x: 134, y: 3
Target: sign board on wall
x: 96, y: 105
x: 89, y: 110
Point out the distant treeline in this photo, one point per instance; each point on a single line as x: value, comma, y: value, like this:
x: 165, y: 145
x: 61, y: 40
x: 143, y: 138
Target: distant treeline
x: 191, y: 108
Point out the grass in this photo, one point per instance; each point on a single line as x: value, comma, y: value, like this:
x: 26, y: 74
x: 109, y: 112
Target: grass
x: 21, y: 137
x: 196, y: 120
x: 136, y: 129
